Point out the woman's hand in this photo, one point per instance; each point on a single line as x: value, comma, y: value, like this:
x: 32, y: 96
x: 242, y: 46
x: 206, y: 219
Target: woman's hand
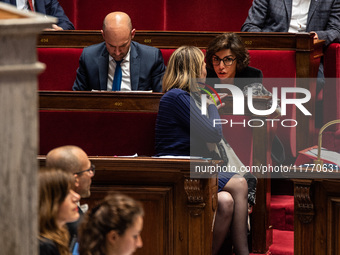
x: 211, y: 101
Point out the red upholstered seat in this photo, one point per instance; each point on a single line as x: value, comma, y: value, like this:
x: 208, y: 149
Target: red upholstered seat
x: 213, y: 15
x: 331, y: 95
x: 282, y: 212
x: 98, y: 133
x: 278, y: 65
x: 239, y: 137
x: 62, y: 63
x: 164, y: 15
x: 61, y: 67
x: 274, y: 63
x: 145, y: 15
x: 166, y: 53
x: 70, y: 9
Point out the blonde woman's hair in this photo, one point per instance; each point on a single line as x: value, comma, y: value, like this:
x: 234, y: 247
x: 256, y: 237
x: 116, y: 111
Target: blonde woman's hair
x: 183, y: 69
x: 54, y: 185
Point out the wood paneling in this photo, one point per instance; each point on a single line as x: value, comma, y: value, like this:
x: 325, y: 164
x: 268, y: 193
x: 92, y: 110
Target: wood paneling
x: 144, y: 102
x: 316, y: 212
x: 179, y: 210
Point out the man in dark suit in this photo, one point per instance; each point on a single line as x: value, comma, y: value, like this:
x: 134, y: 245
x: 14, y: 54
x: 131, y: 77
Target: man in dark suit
x: 47, y: 7
x: 141, y: 67
x: 74, y: 160
x: 320, y: 16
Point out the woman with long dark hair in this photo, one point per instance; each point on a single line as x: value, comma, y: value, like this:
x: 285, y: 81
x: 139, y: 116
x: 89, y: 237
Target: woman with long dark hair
x: 57, y: 206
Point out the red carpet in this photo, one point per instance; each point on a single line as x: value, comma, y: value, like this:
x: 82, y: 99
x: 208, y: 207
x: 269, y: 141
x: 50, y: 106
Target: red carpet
x: 282, y: 212
x: 283, y: 243
x: 282, y: 220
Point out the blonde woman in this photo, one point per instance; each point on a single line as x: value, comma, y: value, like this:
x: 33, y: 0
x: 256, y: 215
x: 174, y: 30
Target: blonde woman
x: 182, y: 130
x: 57, y: 206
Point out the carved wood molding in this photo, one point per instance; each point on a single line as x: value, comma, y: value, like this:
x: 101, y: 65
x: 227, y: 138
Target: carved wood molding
x: 303, y: 201
x: 193, y: 189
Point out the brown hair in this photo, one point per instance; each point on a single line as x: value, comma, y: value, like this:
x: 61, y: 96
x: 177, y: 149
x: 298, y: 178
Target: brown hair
x: 115, y: 212
x: 184, y: 67
x: 228, y: 41
x: 54, y: 185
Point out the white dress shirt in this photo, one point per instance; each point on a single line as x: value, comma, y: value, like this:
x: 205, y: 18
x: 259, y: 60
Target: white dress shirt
x: 298, y: 21
x: 23, y: 5
x: 125, y: 65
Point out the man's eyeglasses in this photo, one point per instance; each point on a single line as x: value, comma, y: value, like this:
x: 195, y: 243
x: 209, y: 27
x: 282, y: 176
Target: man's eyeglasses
x: 91, y: 169
x: 227, y: 61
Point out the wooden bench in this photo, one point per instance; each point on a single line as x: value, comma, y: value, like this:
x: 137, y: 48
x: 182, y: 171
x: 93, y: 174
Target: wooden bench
x: 316, y: 211
x: 77, y: 117
x: 179, y: 210
x: 278, y: 55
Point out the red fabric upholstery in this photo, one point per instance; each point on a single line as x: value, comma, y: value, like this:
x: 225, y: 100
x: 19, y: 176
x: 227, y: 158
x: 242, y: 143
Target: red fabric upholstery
x: 62, y: 63
x: 98, y: 133
x: 282, y: 212
x: 61, y: 67
x: 108, y: 134
x: 70, y: 9
x: 166, y: 53
x: 331, y: 95
x: 164, y: 15
x: 332, y: 61
x: 213, y: 15
x: 239, y: 137
x: 283, y: 243
x: 145, y: 15
x: 279, y: 64
x: 274, y: 63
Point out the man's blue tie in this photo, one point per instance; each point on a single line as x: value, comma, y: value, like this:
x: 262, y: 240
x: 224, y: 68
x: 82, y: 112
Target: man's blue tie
x: 117, y: 80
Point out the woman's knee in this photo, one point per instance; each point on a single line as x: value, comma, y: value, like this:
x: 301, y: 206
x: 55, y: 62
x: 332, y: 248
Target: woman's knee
x: 237, y: 185
x: 225, y: 202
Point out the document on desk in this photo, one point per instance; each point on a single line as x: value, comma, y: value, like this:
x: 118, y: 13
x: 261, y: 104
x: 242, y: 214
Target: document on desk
x: 128, y: 156
x: 181, y: 157
x: 312, y: 153
x: 124, y: 91
x: 330, y: 156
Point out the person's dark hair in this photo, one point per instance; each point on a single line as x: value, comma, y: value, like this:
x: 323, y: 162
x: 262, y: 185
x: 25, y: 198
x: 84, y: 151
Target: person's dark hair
x: 54, y: 185
x: 116, y: 212
x: 228, y: 41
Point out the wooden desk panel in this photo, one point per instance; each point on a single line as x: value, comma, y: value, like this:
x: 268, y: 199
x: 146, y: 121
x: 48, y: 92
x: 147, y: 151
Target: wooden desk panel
x: 316, y: 212
x: 308, y: 54
x: 99, y: 101
x: 179, y: 211
x: 148, y: 102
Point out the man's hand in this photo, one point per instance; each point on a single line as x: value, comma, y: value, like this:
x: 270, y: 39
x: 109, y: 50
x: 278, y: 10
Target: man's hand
x: 316, y: 37
x: 54, y: 28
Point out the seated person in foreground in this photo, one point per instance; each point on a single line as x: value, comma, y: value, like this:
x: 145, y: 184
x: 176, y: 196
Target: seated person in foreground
x: 74, y: 160
x: 182, y: 130
x: 47, y: 7
x: 57, y: 206
x: 119, y: 64
x: 112, y: 227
